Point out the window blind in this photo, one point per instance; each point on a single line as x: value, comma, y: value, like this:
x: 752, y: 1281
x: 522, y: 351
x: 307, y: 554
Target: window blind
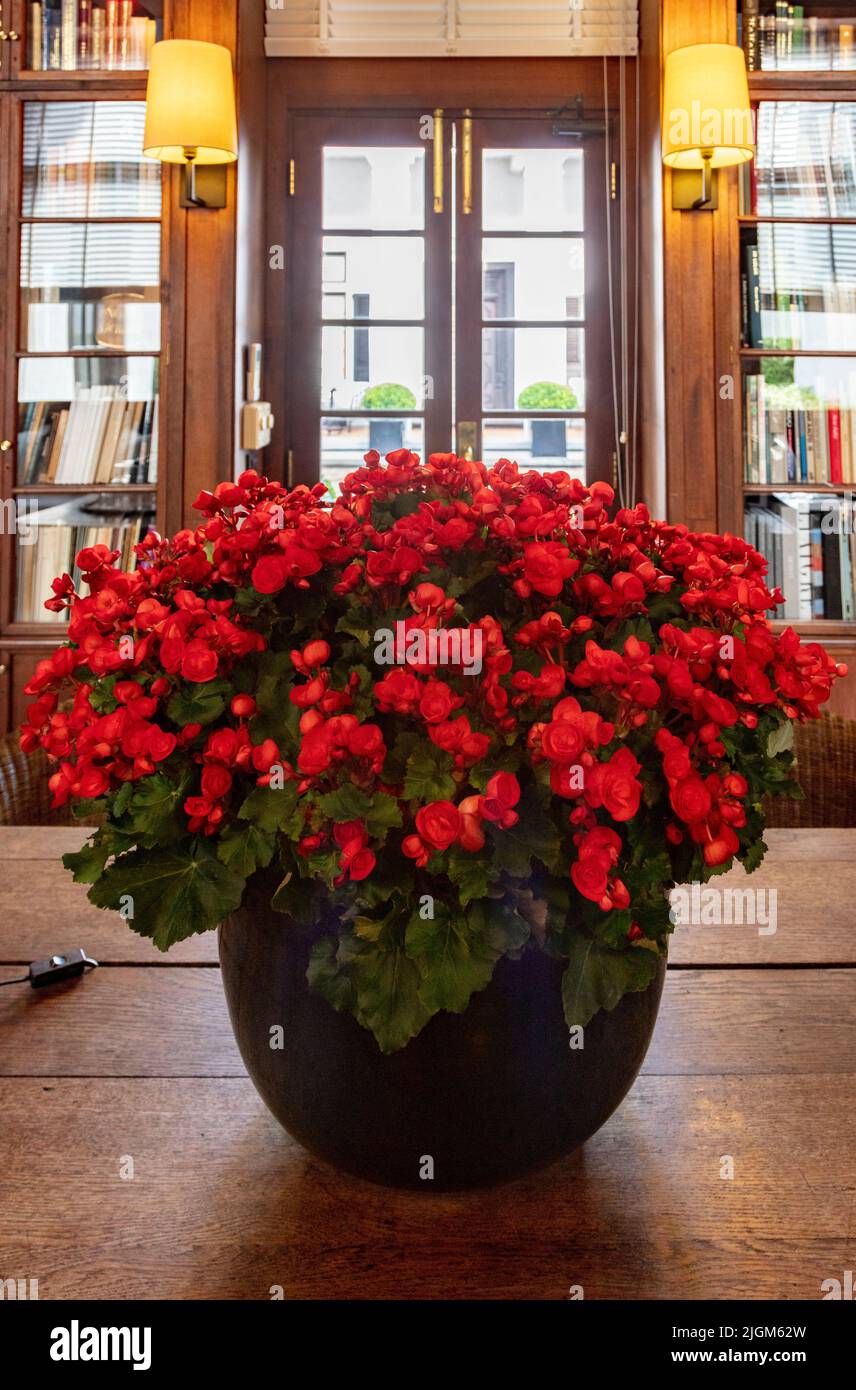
x: 450, y: 28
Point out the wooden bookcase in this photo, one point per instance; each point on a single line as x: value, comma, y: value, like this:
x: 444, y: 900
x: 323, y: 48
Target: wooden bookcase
x: 799, y: 61
x: 86, y: 220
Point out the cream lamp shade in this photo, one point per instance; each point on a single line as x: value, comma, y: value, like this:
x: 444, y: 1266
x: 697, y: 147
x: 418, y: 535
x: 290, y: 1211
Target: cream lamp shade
x: 707, y: 116
x: 190, y: 104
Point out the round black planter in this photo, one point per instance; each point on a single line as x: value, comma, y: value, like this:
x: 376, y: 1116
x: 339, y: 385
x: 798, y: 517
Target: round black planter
x: 486, y: 1095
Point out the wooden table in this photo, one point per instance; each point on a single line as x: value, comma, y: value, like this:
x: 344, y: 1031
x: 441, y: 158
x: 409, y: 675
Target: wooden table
x: 754, y: 1058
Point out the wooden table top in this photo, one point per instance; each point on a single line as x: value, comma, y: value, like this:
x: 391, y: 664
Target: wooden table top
x: 754, y: 1058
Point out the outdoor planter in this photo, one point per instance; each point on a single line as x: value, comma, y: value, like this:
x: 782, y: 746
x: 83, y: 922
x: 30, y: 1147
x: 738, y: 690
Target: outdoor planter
x: 433, y: 755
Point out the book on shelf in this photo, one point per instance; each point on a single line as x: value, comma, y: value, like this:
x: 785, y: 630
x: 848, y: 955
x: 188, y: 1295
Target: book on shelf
x: 76, y: 527
x: 788, y: 438
x: 100, y: 437
x: 810, y: 547
x: 785, y: 37
x: 750, y: 34
x: 74, y: 35
x: 751, y: 276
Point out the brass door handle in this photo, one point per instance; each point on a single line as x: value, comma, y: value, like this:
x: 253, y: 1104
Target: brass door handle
x: 438, y: 159
x: 5, y: 446
x: 467, y: 163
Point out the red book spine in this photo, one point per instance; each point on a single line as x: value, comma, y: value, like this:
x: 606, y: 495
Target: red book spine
x: 834, y: 421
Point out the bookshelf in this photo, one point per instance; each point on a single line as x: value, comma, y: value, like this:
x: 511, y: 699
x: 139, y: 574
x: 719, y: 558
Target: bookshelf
x: 796, y: 232
x: 90, y: 35
x: 83, y: 324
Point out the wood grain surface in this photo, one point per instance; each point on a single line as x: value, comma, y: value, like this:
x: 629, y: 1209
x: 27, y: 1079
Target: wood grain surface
x: 753, y: 1059
x: 223, y: 1204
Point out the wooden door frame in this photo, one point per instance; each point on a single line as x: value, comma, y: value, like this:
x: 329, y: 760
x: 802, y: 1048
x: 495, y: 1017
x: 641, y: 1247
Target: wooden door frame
x: 336, y: 85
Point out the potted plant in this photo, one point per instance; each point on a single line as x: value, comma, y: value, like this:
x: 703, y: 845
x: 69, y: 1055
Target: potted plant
x: 385, y: 436
x: 431, y: 755
x: 549, y: 439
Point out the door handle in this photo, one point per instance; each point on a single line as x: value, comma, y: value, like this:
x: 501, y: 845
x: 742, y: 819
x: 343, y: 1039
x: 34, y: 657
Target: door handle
x: 465, y: 439
x: 467, y: 163
x: 438, y: 159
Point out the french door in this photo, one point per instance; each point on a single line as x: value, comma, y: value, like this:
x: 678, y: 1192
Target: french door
x: 448, y: 289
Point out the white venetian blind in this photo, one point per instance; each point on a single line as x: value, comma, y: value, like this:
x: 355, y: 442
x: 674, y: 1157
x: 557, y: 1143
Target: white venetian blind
x: 449, y: 28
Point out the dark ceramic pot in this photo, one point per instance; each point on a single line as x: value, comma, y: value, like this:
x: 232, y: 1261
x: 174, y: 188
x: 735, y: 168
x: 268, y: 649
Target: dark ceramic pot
x: 487, y: 1094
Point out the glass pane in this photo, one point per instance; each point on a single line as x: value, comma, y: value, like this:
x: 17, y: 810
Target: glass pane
x: 806, y: 160
x: 808, y: 286
x: 52, y: 531
x: 533, y: 190
x: 533, y: 369
x: 90, y: 286
x: 533, y: 279
x: 374, y: 277
x: 372, y: 369
x: 799, y: 421
x: 88, y: 420
x: 809, y: 543
x: 344, y: 442
x: 541, y: 444
x: 84, y: 159
x: 806, y: 42
x: 375, y: 188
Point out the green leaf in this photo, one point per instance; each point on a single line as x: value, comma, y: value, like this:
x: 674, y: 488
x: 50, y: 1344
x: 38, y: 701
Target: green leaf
x: 299, y: 898
x: 154, y: 812
x: 456, y: 952
x: 472, y: 874
x: 429, y: 774
x: 199, y: 704
x: 754, y: 856
x: 88, y: 864
x: 171, y: 893
x: 272, y: 808
x: 355, y: 625
x: 534, y: 836
x: 384, y: 815
x: 277, y: 718
x: 246, y: 848
x: 386, y: 988
x: 598, y: 977
x: 452, y: 962
x: 781, y: 740
x: 327, y: 976
x: 122, y: 800
x: 503, y: 759
x: 346, y: 803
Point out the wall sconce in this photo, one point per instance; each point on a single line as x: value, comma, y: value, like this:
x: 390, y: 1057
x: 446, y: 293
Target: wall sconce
x: 707, y: 120
x: 190, y: 117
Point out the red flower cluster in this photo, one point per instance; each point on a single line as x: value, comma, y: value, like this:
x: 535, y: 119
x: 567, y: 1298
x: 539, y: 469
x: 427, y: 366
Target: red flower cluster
x: 237, y: 659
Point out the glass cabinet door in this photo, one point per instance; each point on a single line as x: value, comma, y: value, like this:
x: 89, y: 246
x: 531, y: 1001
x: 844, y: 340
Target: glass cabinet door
x: 82, y: 468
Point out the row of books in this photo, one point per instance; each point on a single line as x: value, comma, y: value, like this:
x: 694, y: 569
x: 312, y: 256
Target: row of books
x: 100, y: 437
x: 784, y: 444
x: 810, y: 553
x: 816, y: 179
x: 776, y: 34
x: 74, y: 34
x: 54, y: 552
x: 820, y: 318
